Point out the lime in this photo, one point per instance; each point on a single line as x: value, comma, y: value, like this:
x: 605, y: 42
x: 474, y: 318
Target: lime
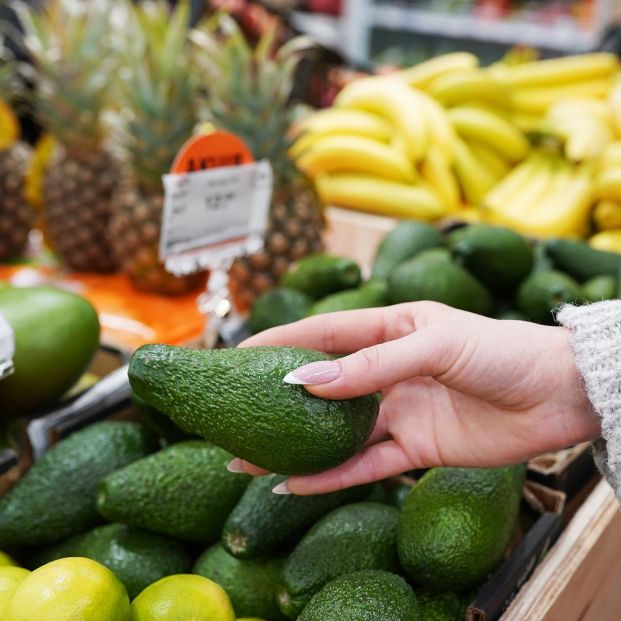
x: 5, y: 560
x: 70, y: 588
x: 182, y: 597
x: 10, y: 577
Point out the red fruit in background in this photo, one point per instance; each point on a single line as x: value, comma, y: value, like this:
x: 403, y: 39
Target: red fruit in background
x: 331, y: 7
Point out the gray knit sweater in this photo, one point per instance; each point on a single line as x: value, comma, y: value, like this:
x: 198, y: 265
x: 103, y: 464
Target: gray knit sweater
x: 596, y: 339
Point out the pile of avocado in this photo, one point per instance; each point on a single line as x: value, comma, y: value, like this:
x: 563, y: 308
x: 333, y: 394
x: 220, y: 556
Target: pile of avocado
x: 146, y: 508
x: 480, y: 268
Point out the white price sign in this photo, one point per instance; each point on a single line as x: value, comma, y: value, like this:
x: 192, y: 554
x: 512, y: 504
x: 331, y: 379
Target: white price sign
x: 7, y: 347
x: 212, y: 216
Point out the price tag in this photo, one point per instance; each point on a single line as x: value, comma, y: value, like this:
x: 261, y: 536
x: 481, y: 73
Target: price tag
x: 7, y: 348
x: 214, y: 211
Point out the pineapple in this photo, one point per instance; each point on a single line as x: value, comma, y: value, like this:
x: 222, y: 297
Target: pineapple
x: 157, y: 114
x: 16, y: 215
x: 69, y: 43
x: 249, y: 94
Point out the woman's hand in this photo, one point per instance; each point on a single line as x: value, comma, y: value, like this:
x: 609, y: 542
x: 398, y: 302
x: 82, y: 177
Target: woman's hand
x: 457, y: 389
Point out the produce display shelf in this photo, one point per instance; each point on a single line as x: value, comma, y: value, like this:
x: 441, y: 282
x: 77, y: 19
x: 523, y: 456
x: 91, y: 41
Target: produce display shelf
x: 578, y: 579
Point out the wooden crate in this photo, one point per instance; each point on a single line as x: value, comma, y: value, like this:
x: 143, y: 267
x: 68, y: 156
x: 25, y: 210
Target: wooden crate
x: 578, y: 579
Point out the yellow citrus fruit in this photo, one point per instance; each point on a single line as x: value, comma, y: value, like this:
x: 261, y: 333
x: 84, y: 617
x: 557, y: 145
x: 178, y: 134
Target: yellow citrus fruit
x: 70, y: 588
x: 10, y: 577
x: 5, y: 560
x: 9, y: 126
x: 181, y: 598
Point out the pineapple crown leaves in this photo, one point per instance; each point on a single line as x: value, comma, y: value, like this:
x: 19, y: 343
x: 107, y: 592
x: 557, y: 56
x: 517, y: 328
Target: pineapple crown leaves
x: 248, y: 91
x: 155, y: 89
x: 70, y: 45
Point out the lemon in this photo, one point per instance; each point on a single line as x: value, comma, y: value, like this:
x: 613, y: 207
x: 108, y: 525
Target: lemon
x: 70, y: 588
x: 183, y: 597
x: 10, y: 577
x: 5, y: 560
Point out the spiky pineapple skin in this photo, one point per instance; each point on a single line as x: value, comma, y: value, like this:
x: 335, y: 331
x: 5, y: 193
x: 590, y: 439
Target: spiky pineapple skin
x: 16, y: 215
x: 135, y: 228
x: 295, y: 228
x: 78, y: 194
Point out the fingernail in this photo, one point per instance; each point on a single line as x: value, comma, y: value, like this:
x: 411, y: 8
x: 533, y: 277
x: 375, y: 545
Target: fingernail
x: 314, y: 373
x: 236, y: 465
x: 281, y: 489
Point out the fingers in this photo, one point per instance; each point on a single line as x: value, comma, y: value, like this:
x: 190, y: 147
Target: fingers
x: 426, y: 353
x: 380, y: 431
x: 352, y: 330
x: 240, y: 466
x: 372, y: 464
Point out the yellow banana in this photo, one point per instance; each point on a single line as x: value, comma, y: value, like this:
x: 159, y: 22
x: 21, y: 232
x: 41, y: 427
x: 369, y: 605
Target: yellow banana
x: 615, y: 105
x: 608, y: 184
x: 512, y: 185
x: 607, y: 215
x: 526, y: 122
x: 379, y: 196
x: 608, y: 241
x: 395, y: 101
x: 464, y: 87
x: 352, y: 153
x: 303, y: 144
x: 490, y: 158
x: 568, y: 69
x: 477, y: 124
x: 538, y: 100
x: 475, y: 180
x: 421, y: 75
x: 338, y: 121
x: 436, y: 170
x: 442, y: 133
x: 611, y: 157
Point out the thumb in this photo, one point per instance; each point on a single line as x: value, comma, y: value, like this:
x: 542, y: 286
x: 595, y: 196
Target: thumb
x: 428, y: 352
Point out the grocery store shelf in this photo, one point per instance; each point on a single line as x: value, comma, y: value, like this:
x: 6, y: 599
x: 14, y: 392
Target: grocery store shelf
x: 564, y: 36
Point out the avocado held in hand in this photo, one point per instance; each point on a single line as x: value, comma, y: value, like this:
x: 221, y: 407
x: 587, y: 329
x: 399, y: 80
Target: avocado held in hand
x: 236, y: 398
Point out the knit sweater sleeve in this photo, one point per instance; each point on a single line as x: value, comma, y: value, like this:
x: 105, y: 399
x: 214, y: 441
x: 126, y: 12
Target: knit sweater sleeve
x: 596, y: 340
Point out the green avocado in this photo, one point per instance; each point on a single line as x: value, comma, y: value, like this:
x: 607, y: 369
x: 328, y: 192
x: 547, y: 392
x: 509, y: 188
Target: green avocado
x: 56, y: 336
x: 277, y: 307
x: 351, y: 538
x: 429, y: 276
x: 498, y: 257
x: 318, y: 275
x: 237, y: 399
x: 456, y: 524
x: 542, y: 292
x: 441, y: 605
x: 251, y: 583
x: 580, y: 261
x: 159, y: 423
x: 405, y: 241
x: 364, y: 596
x: 56, y: 497
x: 599, y: 288
x: 184, y: 491
x: 250, y: 529
x: 371, y: 294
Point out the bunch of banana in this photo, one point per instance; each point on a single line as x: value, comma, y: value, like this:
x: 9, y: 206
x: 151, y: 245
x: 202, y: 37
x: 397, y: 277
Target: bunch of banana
x: 607, y: 211
x: 544, y: 196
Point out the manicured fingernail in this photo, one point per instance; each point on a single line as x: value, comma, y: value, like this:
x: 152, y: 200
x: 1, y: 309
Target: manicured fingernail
x: 236, y: 465
x: 281, y: 489
x: 314, y: 373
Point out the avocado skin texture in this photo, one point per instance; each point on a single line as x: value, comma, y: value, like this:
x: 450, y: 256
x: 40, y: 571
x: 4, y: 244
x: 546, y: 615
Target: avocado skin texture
x: 500, y: 258
x: 250, y: 529
x: 56, y: 497
x: 159, y: 423
x: 277, y: 307
x: 184, y: 491
x: 431, y: 277
x: 138, y: 558
x: 580, y: 261
x: 56, y: 337
x: 441, y: 605
x: 318, y: 275
x: 351, y: 538
x: 542, y: 292
x: 372, y: 294
x: 456, y: 524
x: 599, y: 288
x: 236, y: 398
x: 364, y: 596
x: 251, y: 584
x: 405, y: 241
